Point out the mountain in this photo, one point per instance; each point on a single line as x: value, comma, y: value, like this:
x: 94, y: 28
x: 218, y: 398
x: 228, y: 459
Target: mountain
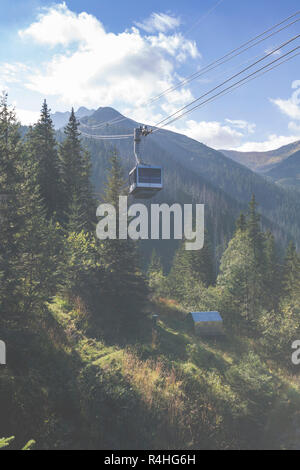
x: 287, y: 173
x: 61, y: 119
x: 196, y: 173
x: 262, y: 161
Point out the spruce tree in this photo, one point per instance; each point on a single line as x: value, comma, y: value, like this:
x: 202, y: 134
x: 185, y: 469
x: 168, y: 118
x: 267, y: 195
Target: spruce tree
x: 180, y: 276
x: 256, y: 236
x: 242, y: 273
x: 202, y: 263
x: 241, y: 223
x: 43, y: 148
x: 272, y: 273
x: 75, y: 170
x: 11, y: 154
x: 40, y: 242
x: 126, y: 289
x: 291, y: 275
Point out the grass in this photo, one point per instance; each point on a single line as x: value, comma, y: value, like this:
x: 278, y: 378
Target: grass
x: 183, y: 385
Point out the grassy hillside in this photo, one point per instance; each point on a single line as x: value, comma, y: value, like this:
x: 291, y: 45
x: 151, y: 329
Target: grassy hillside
x: 263, y: 161
x: 287, y: 173
x: 77, y: 388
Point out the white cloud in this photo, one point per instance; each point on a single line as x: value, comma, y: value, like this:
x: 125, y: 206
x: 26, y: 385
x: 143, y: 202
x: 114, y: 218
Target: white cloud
x: 243, y: 125
x: 272, y: 143
x: 11, y: 73
x: 59, y: 25
x: 232, y: 135
x: 104, y: 68
x: 214, y: 134
x: 159, y: 22
x: 290, y: 107
x: 294, y: 127
x: 27, y: 117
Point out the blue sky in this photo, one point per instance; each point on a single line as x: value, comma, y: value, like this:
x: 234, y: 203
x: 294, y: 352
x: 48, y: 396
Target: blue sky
x: 103, y: 53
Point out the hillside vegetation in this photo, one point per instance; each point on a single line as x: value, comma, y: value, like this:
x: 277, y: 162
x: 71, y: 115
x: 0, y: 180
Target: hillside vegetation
x: 196, y: 173
x: 169, y: 390
x: 287, y: 173
x: 262, y: 162
x: 87, y: 367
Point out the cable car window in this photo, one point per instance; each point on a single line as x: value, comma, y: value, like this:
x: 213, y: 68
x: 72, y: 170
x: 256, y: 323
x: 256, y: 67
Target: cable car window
x: 150, y: 175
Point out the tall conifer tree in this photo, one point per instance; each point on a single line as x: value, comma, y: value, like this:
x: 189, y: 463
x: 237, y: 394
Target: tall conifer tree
x: 75, y: 169
x: 11, y: 153
x: 291, y: 274
x: 43, y: 148
x: 126, y: 285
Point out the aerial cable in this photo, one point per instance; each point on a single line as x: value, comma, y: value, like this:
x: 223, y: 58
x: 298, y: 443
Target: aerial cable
x: 236, y: 86
x: 203, y: 17
x: 254, y: 75
x: 209, y: 66
x: 229, y: 79
x: 102, y: 124
x: 107, y: 137
x: 227, y: 57
x: 228, y: 88
x: 260, y: 74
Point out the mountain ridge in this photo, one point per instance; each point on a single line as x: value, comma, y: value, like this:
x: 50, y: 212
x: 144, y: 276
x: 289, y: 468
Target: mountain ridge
x: 60, y: 119
x: 262, y: 162
x: 287, y: 173
x: 195, y: 172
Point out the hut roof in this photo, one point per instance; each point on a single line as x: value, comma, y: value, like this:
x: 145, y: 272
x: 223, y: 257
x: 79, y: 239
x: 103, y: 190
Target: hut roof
x: 206, y: 316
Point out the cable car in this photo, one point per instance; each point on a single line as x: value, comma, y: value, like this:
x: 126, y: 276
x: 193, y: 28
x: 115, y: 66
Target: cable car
x: 144, y: 180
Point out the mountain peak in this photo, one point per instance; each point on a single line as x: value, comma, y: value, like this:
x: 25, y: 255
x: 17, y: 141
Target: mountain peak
x: 60, y: 119
x: 83, y: 111
x: 106, y: 114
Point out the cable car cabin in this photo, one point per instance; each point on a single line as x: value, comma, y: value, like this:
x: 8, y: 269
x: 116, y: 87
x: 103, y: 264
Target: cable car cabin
x: 145, y: 181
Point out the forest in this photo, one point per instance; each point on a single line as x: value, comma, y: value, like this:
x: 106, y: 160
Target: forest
x: 86, y: 366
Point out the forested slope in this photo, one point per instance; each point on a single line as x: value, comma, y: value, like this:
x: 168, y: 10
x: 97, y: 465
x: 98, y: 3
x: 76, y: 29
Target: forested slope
x: 87, y: 368
x: 193, y: 171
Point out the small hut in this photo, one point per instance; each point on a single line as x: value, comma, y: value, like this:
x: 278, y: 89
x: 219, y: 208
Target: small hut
x: 207, y: 323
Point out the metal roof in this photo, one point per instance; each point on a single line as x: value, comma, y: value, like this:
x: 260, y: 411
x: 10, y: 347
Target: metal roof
x: 206, y: 316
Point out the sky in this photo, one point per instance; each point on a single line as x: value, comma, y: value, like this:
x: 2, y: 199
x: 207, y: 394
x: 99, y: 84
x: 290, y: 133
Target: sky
x: 98, y: 53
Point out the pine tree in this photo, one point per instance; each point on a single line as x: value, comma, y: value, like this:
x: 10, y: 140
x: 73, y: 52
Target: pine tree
x: 241, y: 223
x: 242, y: 272
x: 291, y: 274
x: 202, y: 264
x: 40, y: 243
x: 75, y: 169
x: 126, y: 290
x: 76, y: 216
x: 28, y: 245
x: 254, y: 230
x: 11, y: 153
x: 272, y: 273
x: 43, y: 148
x: 191, y: 273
